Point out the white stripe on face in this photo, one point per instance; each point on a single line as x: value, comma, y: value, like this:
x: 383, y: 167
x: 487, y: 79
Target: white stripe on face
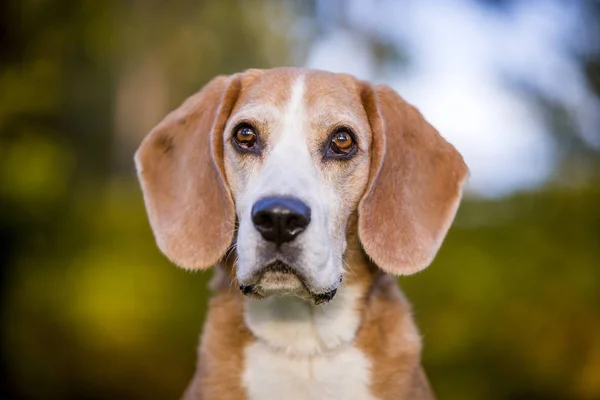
x: 288, y: 169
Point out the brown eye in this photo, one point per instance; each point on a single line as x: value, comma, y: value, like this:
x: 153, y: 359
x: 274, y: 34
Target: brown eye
x: 341, y: 144
x: 343, y: 141
x: 245, y: 137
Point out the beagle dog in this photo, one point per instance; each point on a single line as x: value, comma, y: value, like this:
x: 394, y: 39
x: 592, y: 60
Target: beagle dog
x: 309, y: 191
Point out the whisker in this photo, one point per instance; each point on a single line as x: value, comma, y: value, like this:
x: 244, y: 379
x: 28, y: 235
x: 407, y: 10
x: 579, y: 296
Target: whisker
x: 235, y: 261
x: 351, y: 270
x: 230, y: 286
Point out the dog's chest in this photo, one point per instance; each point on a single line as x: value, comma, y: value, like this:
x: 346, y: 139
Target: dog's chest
x: 305, y: 352
x: 272, y: 374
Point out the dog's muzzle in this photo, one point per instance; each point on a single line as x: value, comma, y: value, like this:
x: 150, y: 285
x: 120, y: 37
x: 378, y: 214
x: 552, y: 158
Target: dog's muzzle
x: 280, y: 279
x: 250, y: 291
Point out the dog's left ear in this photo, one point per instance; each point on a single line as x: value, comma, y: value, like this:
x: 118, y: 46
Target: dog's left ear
x: 415, y: 185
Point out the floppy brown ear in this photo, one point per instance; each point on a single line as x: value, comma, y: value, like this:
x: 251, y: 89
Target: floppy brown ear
x: 180, y: 167
x: 415, y: 185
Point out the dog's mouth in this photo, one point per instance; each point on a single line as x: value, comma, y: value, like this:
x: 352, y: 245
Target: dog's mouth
x: 279, y: 279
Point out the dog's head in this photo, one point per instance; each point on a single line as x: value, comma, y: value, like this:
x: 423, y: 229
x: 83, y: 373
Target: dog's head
x: 275, y: 162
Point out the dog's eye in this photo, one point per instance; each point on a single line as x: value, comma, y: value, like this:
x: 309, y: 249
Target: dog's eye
x: 341, y: 145
x: 245, y: 137
x: 342, y: 142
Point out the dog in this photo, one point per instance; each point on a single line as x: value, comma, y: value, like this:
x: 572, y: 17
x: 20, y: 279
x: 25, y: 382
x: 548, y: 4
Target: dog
x: 309, y: 191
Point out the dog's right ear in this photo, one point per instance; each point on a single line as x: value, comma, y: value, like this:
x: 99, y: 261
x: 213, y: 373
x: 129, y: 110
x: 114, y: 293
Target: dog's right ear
x: 180, y: 168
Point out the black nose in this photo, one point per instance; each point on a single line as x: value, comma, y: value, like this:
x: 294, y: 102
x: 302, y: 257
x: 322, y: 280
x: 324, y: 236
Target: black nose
x: 280, y: 219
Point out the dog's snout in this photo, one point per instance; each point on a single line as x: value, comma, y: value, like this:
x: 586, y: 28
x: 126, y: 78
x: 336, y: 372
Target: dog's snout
x: 280, y: 219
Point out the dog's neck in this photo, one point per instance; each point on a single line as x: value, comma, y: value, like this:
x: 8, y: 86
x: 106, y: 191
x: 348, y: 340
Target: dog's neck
x: 300, y: 328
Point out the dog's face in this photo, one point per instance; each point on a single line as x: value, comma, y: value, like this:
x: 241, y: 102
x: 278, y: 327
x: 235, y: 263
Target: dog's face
x: 291, y: 155
x: 297, y: 163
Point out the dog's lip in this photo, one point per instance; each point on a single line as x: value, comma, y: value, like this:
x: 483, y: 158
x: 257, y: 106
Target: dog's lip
x: 324, y: 297
x: 251, y: 289
x: 276, y: 266
x: 279, y: 266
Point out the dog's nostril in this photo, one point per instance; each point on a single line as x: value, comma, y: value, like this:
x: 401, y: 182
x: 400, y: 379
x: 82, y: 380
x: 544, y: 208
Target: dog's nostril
x: 280, y: 219
x: 262, y: 219
x: 296, y: 223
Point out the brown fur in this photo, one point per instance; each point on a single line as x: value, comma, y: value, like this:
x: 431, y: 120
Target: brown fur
x: 221, y: 352
x: 387, y: 334
x: 177, y: 162
x: 405, y: 210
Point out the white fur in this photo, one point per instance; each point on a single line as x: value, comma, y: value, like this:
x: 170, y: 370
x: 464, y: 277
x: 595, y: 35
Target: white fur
x: 305, y: 351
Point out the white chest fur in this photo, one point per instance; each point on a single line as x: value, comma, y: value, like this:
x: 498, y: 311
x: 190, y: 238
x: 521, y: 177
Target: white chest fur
x: 341, y: 375
x: 305, y: 352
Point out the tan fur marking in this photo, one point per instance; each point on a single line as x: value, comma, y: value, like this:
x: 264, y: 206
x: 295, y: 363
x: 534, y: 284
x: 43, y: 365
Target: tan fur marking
x: 221, y: 353
x: 176, y: 162
x: 390, y: 339
x: 387, y: 334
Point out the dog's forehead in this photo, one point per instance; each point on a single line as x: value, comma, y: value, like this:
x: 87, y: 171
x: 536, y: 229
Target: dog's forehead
x: 325, y: 90
x: 324, y: 93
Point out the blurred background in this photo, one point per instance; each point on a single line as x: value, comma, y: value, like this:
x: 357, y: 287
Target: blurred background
x: 89, y: 309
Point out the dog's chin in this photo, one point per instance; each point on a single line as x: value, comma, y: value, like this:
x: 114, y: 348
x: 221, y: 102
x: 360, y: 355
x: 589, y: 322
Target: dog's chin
x: 278, y: 279
x: 278, y: 283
